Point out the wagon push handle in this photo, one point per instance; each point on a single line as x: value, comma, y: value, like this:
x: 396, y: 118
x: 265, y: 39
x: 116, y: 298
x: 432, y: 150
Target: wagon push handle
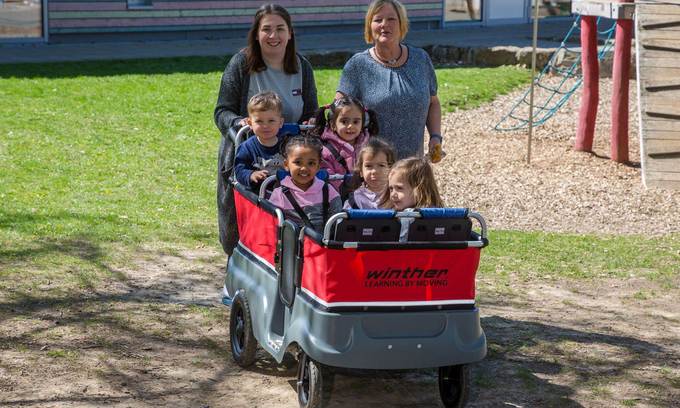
x: 481, y: 221
x: 241, y: 136
x: 460, y: 212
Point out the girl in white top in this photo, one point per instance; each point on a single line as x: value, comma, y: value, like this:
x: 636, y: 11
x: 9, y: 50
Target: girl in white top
x: 411, y: 184
x: 373, y: 165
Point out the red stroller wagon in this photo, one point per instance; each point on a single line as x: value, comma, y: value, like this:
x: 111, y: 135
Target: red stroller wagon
x: 354, y: 296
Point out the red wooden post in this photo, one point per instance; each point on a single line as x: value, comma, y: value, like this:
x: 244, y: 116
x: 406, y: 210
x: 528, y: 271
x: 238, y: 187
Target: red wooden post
x: 620, y: 79
x: 591, y: 86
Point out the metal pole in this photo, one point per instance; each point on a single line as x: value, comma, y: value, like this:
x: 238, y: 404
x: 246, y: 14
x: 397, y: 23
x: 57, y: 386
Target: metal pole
x: 533, y: 73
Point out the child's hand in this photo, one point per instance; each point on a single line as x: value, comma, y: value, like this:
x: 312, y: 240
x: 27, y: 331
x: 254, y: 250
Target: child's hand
x: 258, y: 176
x: 435, y: 152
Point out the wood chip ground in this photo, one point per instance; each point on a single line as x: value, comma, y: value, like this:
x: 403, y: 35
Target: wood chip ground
x: 561, y: 190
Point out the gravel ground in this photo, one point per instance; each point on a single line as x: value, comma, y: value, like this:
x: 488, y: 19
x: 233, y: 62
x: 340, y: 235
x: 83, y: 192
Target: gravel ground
x: 561, y: 190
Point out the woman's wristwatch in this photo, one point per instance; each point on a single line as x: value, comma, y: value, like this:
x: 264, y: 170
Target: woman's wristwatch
x: 436, y: 136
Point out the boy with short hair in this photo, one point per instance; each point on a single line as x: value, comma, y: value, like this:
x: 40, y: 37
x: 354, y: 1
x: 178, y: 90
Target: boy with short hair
x: 260, y: 156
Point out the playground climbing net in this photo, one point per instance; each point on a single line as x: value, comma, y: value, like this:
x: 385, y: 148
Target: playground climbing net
x: 555, y: 84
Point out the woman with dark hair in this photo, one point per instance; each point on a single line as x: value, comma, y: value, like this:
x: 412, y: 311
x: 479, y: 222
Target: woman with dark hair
x: 269, y: 63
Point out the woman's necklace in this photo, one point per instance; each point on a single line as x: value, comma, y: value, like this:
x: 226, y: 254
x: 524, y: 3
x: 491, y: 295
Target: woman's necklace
x: 388, y: 61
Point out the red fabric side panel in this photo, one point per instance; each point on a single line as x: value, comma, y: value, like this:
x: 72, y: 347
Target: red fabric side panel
x: 348, y: 275
x: 256, y: 228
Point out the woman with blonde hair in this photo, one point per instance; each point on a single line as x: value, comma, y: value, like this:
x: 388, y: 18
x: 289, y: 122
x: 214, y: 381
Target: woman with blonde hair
x: 396, y: 80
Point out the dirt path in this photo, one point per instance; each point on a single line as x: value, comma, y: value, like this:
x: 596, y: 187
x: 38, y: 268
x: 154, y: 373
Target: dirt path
x: 160, y: 338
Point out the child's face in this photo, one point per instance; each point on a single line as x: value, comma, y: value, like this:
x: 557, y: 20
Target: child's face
x: 401, y: 193
x: 302, y: 163
x: 266, y: 125
x: 374, y: 170
x: 348, y: 123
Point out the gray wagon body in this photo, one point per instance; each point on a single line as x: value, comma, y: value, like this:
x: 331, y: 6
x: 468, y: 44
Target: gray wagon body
x: 369, y: 340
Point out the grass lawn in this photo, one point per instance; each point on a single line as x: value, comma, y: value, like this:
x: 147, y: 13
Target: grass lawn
x: 101, y: 158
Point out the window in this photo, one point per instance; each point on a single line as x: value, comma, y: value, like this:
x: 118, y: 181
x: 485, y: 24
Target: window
x: 550, y: 8
x: 137, y: 4
x: 21, y: 19
x: 463, y: 10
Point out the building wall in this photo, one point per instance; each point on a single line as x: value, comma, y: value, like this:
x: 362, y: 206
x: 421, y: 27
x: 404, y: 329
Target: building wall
x: 99, y: 17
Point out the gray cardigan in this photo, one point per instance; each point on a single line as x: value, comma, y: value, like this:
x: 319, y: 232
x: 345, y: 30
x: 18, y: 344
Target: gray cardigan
x: 232, y: 104
x: 232, y: 101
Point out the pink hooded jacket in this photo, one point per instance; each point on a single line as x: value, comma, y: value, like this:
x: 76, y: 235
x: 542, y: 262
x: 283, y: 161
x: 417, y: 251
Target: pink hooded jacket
x: 311, y: 201
x: 346, y: 150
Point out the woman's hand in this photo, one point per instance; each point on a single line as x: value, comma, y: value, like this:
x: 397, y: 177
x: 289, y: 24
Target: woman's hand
x: 434, y: 150
x: 433, y: 124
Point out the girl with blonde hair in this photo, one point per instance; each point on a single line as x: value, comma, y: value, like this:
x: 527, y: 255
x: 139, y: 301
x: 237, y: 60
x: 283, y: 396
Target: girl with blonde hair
x: 411, y: 184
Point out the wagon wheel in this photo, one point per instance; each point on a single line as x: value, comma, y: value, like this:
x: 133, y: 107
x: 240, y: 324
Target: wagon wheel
x: 314, y: 383
x: 454, y: 385
x: 243, y: 343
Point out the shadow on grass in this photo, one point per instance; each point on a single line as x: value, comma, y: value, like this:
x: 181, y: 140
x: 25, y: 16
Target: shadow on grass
x: 90, y: 246
x: 78, y: 247
x: 83, y: 247
x: 26, y: 221
x: 160, y: 66
x: 526, y: 354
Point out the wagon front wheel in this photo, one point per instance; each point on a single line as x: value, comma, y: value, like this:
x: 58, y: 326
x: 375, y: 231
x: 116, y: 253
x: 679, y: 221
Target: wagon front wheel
x: 454, y: 385
x: 243, y: 343
x: 314, y: 383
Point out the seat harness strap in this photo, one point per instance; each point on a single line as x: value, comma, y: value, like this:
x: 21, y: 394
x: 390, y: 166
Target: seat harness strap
x: 336, y: 154
x: 325, y: 203
x: 289, y: 195
x: 352, y: 201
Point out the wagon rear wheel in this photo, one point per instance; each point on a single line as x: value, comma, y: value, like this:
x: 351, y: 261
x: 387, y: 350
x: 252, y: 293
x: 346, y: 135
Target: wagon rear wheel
x: 314, y: 383
x: 454, y: 385
x: 243, y: 343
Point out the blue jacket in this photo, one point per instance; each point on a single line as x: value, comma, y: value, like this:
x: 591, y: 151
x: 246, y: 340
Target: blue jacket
x: 253, y: 155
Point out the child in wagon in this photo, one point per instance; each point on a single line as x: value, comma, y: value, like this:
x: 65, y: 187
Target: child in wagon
x: 302, y: 196
x: 260, y: 156
x: 370, y: 174
x: 411, y: 184
x: 344, y: 127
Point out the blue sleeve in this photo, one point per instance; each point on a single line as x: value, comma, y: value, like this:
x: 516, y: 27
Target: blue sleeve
x: 349, y: 80
x: 243, y: 164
